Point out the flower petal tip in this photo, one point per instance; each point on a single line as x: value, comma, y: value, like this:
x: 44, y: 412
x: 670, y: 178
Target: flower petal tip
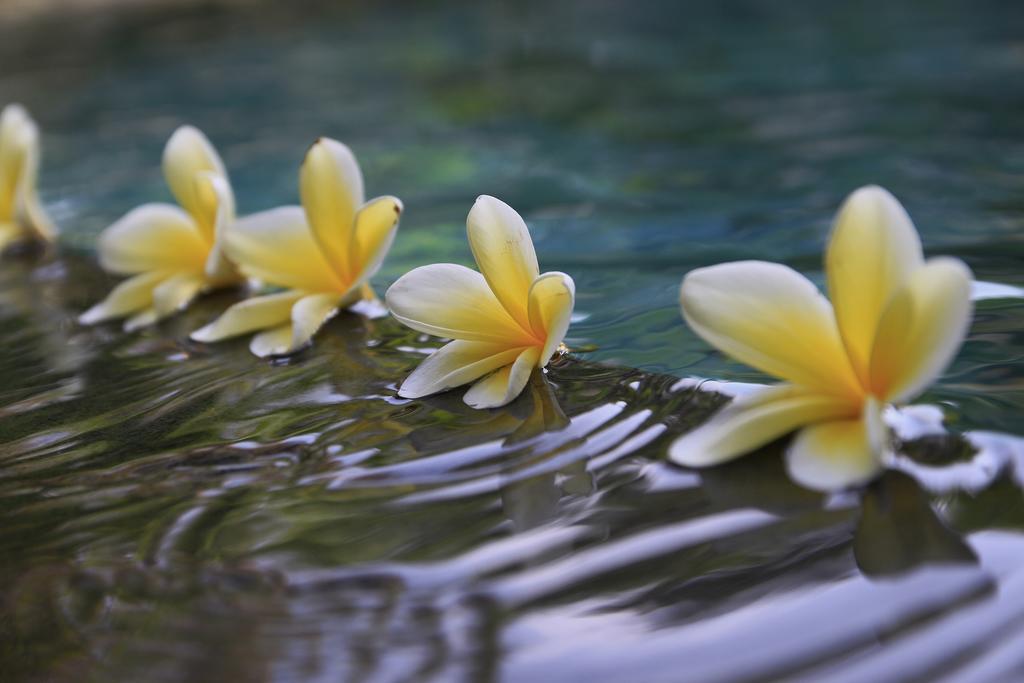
x: 203, y: 335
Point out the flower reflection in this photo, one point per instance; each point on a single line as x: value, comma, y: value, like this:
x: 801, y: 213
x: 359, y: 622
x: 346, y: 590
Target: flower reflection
x: 505, y: 320
x: 899, y: 530
x: 894, y: 324
x: 173, y: 253
x: 322, y: 254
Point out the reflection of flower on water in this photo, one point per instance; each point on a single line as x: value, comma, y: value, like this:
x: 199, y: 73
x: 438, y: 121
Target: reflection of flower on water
x: 894, y: 324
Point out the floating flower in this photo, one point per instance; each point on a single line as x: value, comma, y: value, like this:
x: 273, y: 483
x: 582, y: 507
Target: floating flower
x: 321, y: 254
x: 894, y: 324
x: 22, y: 218
x: 505, y: 320
x: 173, y: 253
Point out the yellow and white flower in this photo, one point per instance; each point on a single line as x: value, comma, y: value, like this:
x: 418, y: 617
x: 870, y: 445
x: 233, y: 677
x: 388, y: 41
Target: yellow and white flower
x: 321, y: 254
x: 894, y: 324
x: 173, y: 253
x: 505, y: 320
x: 22, y: 217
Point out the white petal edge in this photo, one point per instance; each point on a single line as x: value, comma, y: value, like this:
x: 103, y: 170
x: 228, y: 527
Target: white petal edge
x: 309, y: 314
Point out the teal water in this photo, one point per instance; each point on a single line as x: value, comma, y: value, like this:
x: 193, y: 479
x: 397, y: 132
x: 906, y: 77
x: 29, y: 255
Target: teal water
x: 169, y: 512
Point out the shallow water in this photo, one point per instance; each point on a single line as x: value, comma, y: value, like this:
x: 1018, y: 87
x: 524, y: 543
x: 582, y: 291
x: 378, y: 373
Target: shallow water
x: 173, y: 512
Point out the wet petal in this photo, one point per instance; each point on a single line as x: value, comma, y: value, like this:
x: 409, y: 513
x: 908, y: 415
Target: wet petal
x: 176, y: 292
x: 309, y: 314
x: 551, y: 301
x: 187, y: 154
x: 128, y: 297
x: 273, y: 342
x: 277, y: 247
x: 754, y: 420
x: 833, y: 455
x: 331, y: 187
x: 921, y: 330
x: 503, y: 386
x: 257, y: 313
x: 455, y: 364
x: 772, y: 318
x: 873, y: 250
x: 504, y: 253
x: 375, y: 226
x: 152, y: 237
x: 448, y: 300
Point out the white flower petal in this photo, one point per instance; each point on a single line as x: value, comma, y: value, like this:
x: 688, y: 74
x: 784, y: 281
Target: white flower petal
x: 176, y: 292
x: 309, y: 314
x: 187, y: 154
x: 277, y: 247
x: 331, y: 187
x: 552, y: 297
x: 873, y: 250
x: 504, y: 385
x: 152, y: 237
x: 250, y: 315
x: 772, y: 318
x: 753, y: 420
x: 16, y: 137
x: 921, y: 330
x: 504, y: 253
x: 448, y: 300
x: 833, y: 455
x: 274, y: 342
x: 140, y: 320
x: 456, y: 363
x: 375, y: 226
x: 131, y: 296
x: 217, y: 192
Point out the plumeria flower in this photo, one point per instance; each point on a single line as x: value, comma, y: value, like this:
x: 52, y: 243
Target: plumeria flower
x: 320, y: 255
x: 22, y: 217
x: 173, y: 253
x: 894, y: 324
x: 505, y: 320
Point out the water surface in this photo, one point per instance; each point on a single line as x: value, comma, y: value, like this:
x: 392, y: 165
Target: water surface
x: 176, y: 512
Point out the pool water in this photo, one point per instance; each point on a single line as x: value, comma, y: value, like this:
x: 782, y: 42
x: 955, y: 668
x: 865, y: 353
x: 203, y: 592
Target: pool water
x: 171, y: 512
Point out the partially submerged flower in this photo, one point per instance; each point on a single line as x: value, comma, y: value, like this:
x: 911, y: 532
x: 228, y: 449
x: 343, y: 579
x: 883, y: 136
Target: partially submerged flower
x: 173, y: 253
x: 894, y: 324
x: 505, y: 320
x: 321, y: 254
x: 22, y: 217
